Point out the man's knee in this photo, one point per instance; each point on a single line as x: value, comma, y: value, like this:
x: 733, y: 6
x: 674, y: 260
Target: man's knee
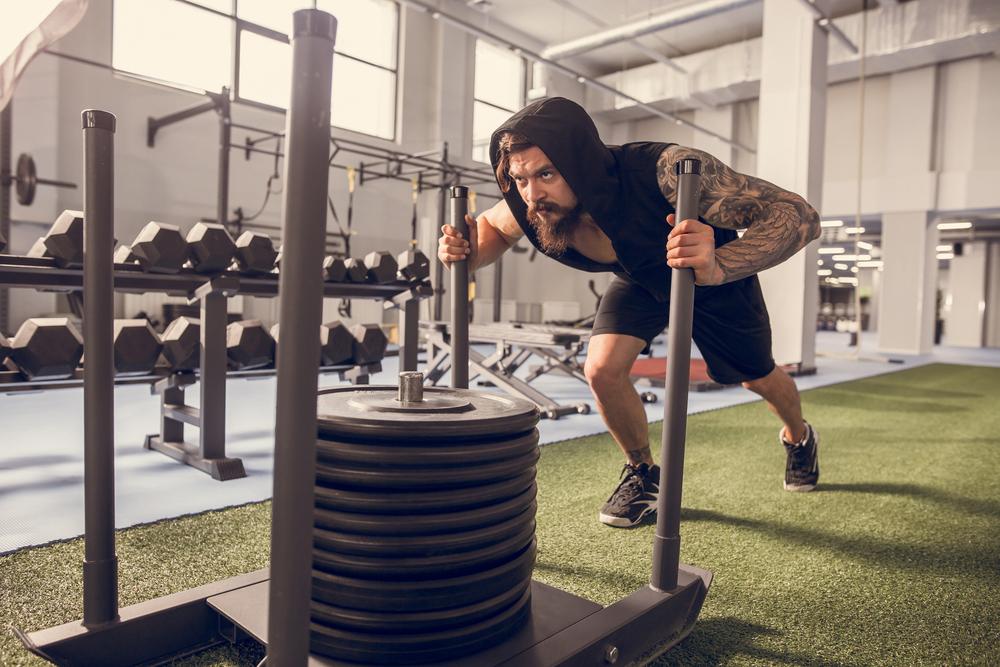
x: 603, y: 375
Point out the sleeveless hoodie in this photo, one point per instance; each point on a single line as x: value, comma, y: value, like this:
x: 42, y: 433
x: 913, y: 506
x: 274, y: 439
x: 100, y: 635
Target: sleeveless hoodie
x: 616, y: 185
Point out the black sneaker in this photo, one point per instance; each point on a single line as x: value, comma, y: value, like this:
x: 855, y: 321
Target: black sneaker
x: 635, y: 497
x: 802, y: 464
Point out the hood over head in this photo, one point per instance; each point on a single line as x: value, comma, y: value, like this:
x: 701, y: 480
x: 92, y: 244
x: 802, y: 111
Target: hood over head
x: 568, y: 136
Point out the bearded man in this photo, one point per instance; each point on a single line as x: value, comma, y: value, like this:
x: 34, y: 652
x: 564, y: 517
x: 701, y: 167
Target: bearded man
x: 595, y: 207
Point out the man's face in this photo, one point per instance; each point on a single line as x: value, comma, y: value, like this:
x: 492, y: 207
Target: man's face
x: 553, y: 209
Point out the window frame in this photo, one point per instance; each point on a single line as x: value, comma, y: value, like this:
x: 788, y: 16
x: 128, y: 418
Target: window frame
x: 239, y: 25
x: 523, y: 95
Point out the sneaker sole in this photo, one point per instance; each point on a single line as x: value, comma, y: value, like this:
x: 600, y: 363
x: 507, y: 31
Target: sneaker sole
x: 622, y: 522
x: 799, y: 488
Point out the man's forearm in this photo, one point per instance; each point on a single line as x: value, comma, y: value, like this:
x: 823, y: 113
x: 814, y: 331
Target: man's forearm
x: 782, y: 230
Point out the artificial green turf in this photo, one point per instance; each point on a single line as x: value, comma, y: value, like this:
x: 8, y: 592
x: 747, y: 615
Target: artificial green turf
x: 894, y: 559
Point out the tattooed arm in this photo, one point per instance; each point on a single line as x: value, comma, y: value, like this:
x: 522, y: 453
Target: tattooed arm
x: 778, y: 223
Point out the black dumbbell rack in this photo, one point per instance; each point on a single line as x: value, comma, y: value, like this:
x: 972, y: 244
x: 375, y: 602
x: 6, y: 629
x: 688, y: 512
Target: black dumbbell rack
x: 210, y: 292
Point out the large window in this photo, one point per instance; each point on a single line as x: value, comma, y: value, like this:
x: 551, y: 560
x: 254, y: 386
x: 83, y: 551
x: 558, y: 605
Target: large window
x: 499, y: 92
x: 243, y: 44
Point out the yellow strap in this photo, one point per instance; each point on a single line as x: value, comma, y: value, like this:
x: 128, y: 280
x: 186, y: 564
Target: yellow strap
x: 472, y: 290
x: 351, y: 174
x: 415, y: 188
x: 472, y: 201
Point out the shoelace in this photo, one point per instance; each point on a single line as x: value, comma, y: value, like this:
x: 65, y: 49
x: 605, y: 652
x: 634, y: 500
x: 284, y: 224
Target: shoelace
x: 631, y: 482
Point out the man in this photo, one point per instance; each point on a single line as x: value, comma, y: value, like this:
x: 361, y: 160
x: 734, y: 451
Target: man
x: 611, y: 208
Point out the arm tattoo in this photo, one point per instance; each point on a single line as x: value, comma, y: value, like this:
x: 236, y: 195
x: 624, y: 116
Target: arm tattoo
x: 778, y: 223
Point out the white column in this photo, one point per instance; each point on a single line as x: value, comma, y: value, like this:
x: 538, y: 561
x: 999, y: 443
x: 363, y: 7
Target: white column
x: 790, y: 155
x: 965, y: 298
x: 909, y: 283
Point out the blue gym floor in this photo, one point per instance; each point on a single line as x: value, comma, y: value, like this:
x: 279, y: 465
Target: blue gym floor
x: 41, y: 450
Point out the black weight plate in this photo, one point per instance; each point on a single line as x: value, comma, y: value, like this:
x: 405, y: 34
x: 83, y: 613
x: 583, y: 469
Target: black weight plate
x: 399, y: 545
x: 418, y: 621
x: 426, y: 524
x: 341, y: 411
x: 388, y: 649
x: 422, y: 567
x: 424, y: 595
x: 410, y: 503
x: 424, y: 453
x: 27, y: 180
x: 353, y: 476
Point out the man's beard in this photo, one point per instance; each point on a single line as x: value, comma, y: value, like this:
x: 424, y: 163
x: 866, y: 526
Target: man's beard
x: 555, y: 231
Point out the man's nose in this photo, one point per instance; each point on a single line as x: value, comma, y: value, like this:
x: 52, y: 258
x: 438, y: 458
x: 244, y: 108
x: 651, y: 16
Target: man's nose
x: 533, y: 193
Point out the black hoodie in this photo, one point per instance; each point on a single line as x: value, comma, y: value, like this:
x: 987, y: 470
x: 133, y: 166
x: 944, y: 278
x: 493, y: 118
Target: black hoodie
x: 616, y: 185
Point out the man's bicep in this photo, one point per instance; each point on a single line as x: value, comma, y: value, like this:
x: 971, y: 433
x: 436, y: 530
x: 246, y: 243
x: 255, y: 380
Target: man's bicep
x: 728, y: 198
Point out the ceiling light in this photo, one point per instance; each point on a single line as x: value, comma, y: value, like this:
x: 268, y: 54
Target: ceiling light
x: 851, y: 258
x: 849, y: 281
x: 864, y: 245
x: 954, y: 225
x: 946, y: 255
x: 854, y: 230
x: 831, y: 223
x: 830, y: 251
x: 871, y: 264
x: 854, y: 269
x: 840, y: 267
x: 824, y: 272
x: 947, y: 247
x: 819, y: 262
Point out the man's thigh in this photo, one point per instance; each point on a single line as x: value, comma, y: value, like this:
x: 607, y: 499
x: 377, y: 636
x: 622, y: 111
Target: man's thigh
x: 627, y: 309
x: 733, y: 331
x: 613, y: 353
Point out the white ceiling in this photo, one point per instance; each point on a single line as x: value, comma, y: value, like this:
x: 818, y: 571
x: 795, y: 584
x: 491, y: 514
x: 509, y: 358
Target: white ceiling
x: 555, y: 21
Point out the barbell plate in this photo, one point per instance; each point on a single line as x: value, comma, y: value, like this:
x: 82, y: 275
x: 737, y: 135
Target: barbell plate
x: 427, y: 524
x: 395, y: 622
x: 426, y: 453
x: 475, y: 537
x: 412, y: 649
x: 424, y: 502
x: 347, y: 411
x: 424, y: 595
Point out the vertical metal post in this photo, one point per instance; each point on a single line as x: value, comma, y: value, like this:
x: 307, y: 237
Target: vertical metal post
x: 438, y: 265
x: 212, y: 415
x: 409, y: 322
x: 460, y: 294
x: 5, y: 187
x: 100, y: 565
x: 171, y: 430
x: 667, y: 542
x: 225, y: 136
x: 306, y: 178
x: 497, y: 287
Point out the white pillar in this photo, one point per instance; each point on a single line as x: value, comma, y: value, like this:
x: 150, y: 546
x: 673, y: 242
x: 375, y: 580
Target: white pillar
x: 965, y: 298
x: 909, y: 283
x: 790, y: 154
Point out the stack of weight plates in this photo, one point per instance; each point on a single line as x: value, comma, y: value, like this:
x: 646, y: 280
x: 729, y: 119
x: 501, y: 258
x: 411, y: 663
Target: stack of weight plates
x: 424, y: 526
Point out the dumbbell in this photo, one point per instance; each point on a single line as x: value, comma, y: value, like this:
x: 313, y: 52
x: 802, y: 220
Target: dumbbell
x: 248, y: 345
x: 65, y: 239
x: 38, y: 249
x: 334, y: 269
x: 356, y: 270
x: 137, y: 347
x: 382, y: 267
x: 413, y: 265
x: 160, y: 248
x: 182, y: 344
x: 370, y: 343
x: 210, y: 247
x: 47, y: 348
x: 4, y: 350
x: 255, y: 253
x: 336, y: 344
x: 124, y: 255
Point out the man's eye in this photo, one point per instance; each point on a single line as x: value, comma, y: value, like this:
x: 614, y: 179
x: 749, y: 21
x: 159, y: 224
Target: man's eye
x: 546, y: 174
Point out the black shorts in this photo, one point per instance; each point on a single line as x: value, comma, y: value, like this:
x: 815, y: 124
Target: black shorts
x: 731, y: 327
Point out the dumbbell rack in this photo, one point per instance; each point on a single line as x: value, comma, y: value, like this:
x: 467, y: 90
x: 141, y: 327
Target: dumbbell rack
x: 210, y: 292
